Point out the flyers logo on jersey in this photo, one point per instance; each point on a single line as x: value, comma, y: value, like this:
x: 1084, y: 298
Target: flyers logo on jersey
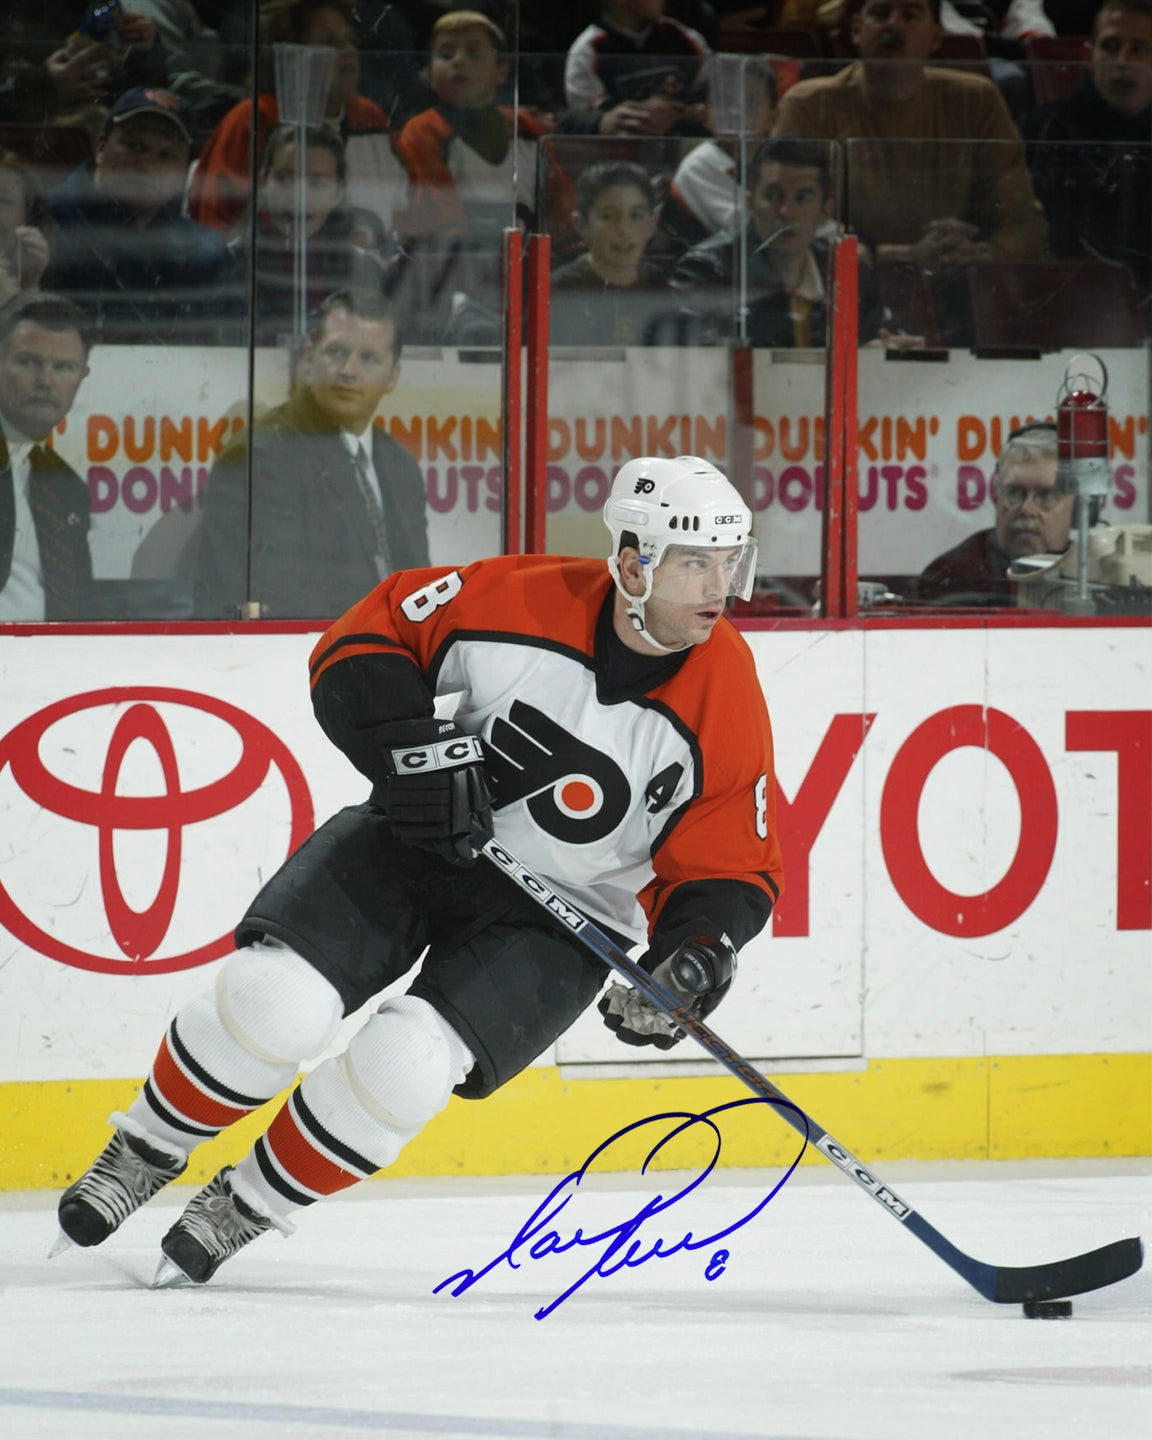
x: 574, y: 792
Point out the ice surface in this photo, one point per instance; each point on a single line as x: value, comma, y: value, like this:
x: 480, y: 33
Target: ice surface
x: 828, y: 1322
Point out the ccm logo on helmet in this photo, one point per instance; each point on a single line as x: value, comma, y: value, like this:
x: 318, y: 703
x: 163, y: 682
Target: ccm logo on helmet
x: 446, y: 756
x: 728, y: 519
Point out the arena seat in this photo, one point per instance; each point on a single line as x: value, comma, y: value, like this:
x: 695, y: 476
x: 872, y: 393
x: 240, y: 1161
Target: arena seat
x: 795, y: 42
x: 1055, y: 63
x: 1054, y: 305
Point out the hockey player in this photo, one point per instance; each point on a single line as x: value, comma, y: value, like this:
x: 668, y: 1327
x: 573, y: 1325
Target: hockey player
x: 613, y: 726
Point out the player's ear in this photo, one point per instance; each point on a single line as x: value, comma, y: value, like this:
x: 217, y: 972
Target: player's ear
x: 631, y: 570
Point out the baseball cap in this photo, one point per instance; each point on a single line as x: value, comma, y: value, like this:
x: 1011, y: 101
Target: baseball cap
x: 138, y: 101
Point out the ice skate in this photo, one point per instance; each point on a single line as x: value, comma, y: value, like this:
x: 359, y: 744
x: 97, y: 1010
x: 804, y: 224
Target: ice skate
x: 127, y: 1173
x: 215, y: 1224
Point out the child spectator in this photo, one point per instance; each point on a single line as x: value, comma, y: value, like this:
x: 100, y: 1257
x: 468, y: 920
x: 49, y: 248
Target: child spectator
x: 221, y: 186
x: 605, y: 296
x: 470, y: 159
x: 338, y: 251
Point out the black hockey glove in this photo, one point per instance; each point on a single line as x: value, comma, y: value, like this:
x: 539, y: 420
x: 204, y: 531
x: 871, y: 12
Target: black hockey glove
x: 435, y: 786
x: 698, y: 972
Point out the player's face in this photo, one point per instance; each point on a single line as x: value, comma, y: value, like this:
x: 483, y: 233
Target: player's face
x: 1032, y: 516
x: 466, y: 70
x: 1122, y: 60
x: 896, y: 30
x: 322, y: 188
x: 689, y: 589
x: 787, y: 206
x: 619, y: 224
x: 327, y: 28
x: 142, y: 163
x: 40, y: 372
x: 352, y: 367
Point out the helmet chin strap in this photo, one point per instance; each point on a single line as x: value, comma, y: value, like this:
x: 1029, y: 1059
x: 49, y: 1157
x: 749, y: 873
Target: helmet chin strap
x: 636, y: 605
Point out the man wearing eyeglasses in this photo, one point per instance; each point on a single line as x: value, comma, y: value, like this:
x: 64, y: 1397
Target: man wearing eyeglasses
x: 1033, y: 517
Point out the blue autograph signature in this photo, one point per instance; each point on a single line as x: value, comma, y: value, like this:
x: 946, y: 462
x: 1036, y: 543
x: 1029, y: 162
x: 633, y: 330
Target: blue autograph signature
x: 623, y: 1246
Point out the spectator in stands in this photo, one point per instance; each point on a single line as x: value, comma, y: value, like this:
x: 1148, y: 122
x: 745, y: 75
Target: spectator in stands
x: 25, y: 224
x: 62, y: 82
x: 473, y: 168
x: 1033, y: 517
x: 935, y: 166
x: 335, y: 504
x: 340, y: 249
x: 1089, y: 150
x: 704, y: 193
x: 470, y: 159
x: 789, y: 200
x: 206, y: 46
x: 610, y: 295
x: 220, y: 190
x: 636, y: 72
x: 45, y: 565
x: 146, y: 271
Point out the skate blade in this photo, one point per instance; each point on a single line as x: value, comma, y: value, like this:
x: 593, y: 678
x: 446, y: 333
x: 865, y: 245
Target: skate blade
x: 169, y: 1276
x: 63, y: 1242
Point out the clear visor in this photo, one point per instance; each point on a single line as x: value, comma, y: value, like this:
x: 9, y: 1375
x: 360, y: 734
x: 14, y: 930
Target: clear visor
x: 700, y: 575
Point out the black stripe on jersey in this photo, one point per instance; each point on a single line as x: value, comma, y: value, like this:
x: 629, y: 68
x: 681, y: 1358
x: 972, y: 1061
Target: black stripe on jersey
x: 208, y: 1081
x: 384, y: 641
x: 311, y: 1126
x: 171, y: 1118
x: 276, y: 1179
x: 669, y: 825
x: 689, y: 738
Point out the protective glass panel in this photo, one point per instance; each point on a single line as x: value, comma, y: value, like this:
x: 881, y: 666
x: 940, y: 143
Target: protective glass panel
x: 1007, y: 261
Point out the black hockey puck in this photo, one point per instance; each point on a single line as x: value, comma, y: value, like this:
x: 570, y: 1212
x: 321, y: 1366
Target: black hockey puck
x: 1047, y: 1309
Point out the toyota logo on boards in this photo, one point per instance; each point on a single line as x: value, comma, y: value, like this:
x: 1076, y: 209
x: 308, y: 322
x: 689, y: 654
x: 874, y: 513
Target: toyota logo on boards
x: 135, y: 823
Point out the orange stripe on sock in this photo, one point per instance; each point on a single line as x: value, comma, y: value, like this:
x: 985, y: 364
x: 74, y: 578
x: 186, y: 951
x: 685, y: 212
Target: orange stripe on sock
x: 301, y: 1161
x: 187, y: 1099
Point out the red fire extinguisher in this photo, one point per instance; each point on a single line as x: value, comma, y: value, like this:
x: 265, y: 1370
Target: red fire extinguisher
x: 1082, y: 467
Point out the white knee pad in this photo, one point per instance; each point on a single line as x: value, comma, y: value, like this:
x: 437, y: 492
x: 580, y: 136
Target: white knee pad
x: 276, y: 1005
x: 402, y: 1065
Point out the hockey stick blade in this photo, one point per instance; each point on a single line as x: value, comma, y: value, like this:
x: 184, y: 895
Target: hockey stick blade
x: 1005, y: 1284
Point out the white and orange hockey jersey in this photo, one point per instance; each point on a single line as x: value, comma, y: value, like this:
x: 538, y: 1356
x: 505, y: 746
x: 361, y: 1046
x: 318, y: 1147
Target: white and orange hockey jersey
x: 648, y: 804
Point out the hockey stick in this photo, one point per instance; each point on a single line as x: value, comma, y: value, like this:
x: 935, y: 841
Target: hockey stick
x: 1006, y: 1284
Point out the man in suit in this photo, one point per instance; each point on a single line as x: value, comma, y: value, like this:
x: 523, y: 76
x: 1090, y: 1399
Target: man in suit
x: 335, y: 504
x: 45, y: 565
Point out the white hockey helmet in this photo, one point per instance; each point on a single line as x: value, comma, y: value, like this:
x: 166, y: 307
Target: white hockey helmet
x: 680, y: 501
x: 659, y: 502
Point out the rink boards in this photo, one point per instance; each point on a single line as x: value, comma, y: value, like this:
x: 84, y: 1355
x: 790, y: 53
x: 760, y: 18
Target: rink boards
x: 961, y: 965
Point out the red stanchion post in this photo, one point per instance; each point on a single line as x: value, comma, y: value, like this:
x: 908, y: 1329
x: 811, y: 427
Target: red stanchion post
x: 847, y: 313
x: 536, y: 397
x: 838, y: 569
x: 511, y: 391
x: 832, y: 519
